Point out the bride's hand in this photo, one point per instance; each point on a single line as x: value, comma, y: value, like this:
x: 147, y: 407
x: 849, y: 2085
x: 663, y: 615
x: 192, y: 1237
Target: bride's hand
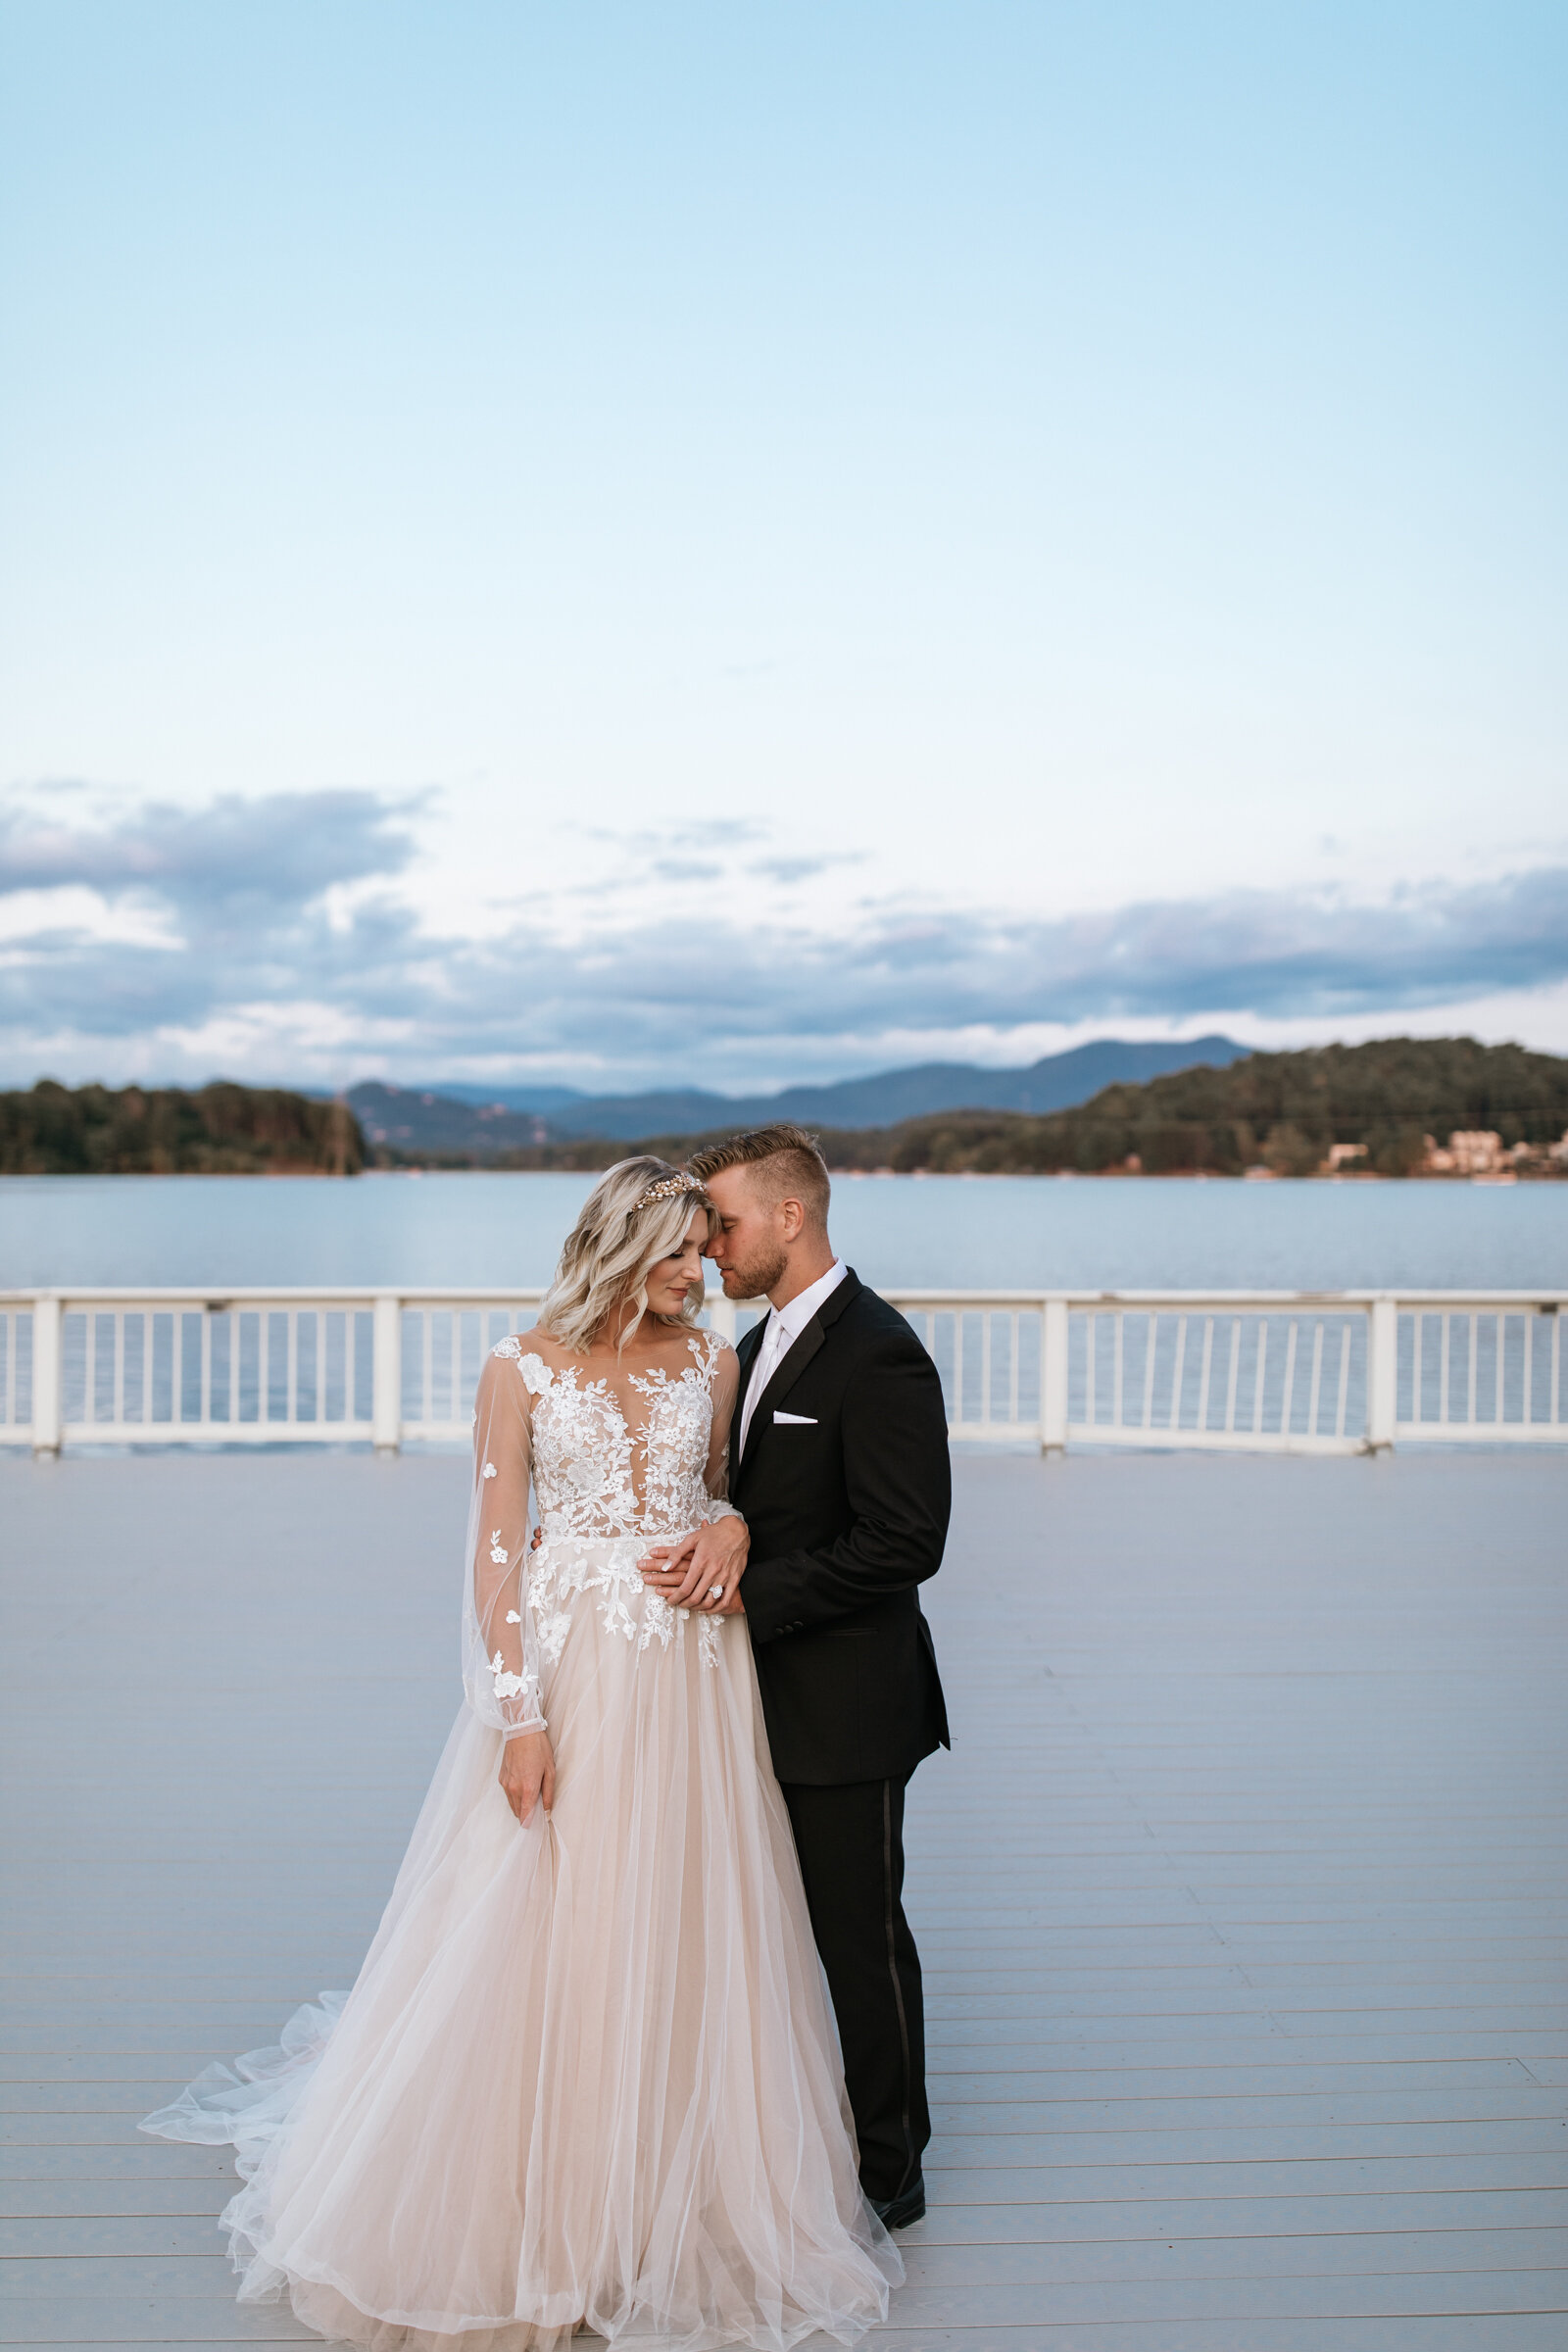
x: 704, y: 1570
x: 528, y: 1774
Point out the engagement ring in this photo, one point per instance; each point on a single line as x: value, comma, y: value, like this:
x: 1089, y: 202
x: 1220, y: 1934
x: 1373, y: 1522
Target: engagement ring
x: 716, y: 1592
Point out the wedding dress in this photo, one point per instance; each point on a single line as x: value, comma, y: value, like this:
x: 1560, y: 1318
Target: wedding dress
x: 588, y: 2071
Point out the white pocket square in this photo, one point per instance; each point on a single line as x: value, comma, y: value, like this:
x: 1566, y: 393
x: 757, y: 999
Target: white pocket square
x: 801, y: 1420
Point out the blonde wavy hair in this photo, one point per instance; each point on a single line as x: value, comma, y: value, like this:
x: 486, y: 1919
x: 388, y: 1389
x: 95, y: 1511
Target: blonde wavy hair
x: 608, y: 1253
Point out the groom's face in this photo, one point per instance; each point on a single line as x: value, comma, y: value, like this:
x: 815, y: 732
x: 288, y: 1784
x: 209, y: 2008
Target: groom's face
x: 751, y: 1247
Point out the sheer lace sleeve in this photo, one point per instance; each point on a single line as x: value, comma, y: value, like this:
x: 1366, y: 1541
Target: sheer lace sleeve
x: 725, y: 1386
x: 500, y: 1647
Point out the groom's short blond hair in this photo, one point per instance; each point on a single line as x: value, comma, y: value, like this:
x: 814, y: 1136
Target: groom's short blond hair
x: 784, y: 1159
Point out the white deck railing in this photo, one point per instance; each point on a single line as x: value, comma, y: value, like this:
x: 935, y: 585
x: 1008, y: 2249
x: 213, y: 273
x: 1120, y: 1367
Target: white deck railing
x: 1270, y: 1371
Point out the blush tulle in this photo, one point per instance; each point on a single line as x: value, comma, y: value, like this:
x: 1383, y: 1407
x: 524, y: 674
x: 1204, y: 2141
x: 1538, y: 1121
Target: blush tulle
x: 588, y: 2073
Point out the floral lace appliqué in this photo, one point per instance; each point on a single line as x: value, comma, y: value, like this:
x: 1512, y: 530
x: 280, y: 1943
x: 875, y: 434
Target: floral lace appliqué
x: 585, y: 1462
x: 584, y: 1452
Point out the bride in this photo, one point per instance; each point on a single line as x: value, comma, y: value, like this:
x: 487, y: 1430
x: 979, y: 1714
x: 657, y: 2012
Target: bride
x: 588, y: 2075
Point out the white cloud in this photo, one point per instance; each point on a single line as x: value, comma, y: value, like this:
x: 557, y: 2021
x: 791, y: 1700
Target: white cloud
x: 275, y: 938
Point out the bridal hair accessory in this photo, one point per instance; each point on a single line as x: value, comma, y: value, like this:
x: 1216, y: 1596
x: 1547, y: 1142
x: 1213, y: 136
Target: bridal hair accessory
x: 667, y: 1188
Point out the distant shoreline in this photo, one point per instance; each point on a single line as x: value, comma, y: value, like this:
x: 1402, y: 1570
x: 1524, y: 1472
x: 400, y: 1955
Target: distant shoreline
x: 1397, y: 1107
x: 1119, y: 1176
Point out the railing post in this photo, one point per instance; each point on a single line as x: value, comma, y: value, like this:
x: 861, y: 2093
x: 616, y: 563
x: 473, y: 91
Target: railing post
x: 46, y: 1374
x: 1382, y: 1374
x: 386, y: 1375
x: 721, y: 1317
x: 1053, y: 1377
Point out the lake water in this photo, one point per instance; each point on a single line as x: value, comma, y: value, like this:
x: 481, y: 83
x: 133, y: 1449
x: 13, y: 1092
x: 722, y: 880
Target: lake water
x: 959, y: 1233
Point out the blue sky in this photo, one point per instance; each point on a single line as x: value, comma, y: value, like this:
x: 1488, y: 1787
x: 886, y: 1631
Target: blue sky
x: 627, y: 544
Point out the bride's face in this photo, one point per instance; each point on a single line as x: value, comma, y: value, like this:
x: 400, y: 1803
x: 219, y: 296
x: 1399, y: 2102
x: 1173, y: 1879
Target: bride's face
x: 671, y: 1279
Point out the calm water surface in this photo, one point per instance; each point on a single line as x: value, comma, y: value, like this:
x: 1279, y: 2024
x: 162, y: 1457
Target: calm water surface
x: 961, y: 1233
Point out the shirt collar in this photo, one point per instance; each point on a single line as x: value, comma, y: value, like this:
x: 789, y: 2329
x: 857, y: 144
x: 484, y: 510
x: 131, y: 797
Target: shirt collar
x: 793, y: 1319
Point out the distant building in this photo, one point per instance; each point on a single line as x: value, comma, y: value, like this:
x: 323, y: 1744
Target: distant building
x: 1471, y: 1151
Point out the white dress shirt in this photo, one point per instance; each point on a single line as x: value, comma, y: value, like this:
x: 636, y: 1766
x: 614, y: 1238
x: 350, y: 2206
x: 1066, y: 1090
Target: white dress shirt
x: 780, y: 1332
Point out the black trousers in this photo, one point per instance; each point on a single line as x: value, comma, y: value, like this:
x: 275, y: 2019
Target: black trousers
x: 851, y: 1845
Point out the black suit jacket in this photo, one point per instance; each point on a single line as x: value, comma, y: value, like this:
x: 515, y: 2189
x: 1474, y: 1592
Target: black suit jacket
x: 847, y: 1509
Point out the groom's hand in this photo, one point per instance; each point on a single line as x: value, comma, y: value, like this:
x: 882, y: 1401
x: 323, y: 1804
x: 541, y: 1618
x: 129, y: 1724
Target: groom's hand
x: 685, y: 1572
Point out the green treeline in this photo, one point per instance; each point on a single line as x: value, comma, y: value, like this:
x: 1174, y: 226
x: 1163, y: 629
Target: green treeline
x: 218, y: 1130
x: 1282, y: 1111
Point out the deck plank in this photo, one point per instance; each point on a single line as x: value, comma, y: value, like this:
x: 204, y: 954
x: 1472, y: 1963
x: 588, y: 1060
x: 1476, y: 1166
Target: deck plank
x: 1242, y: 1893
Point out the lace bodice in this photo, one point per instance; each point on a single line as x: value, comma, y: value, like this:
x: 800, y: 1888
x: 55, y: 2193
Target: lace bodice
x: 618, y: 1463
x: 596, y: 1473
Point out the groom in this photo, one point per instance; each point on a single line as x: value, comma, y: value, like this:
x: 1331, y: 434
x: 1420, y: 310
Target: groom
x: 838, y: 1463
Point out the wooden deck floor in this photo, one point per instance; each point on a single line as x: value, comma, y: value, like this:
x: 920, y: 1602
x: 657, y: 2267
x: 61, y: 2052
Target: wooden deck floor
x: 1242, y: 1899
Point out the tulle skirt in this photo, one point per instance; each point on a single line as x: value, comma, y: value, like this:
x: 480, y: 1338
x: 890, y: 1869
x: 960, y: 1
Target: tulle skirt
x: 588, y: 2073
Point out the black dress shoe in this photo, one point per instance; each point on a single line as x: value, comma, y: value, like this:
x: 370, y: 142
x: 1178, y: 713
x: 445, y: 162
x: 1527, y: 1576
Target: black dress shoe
x: 897, y: 2213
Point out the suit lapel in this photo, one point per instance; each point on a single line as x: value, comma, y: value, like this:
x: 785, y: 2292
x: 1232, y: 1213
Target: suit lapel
x: 748, y: 1352
x: 787, y: 1371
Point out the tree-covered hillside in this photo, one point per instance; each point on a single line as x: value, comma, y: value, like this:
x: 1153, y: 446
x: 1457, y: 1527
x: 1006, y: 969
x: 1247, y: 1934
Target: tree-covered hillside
x: 218, y: 1130
x: 1280, y: 1112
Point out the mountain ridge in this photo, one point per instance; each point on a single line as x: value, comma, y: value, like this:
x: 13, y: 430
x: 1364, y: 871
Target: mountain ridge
x: 468, y: 1118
